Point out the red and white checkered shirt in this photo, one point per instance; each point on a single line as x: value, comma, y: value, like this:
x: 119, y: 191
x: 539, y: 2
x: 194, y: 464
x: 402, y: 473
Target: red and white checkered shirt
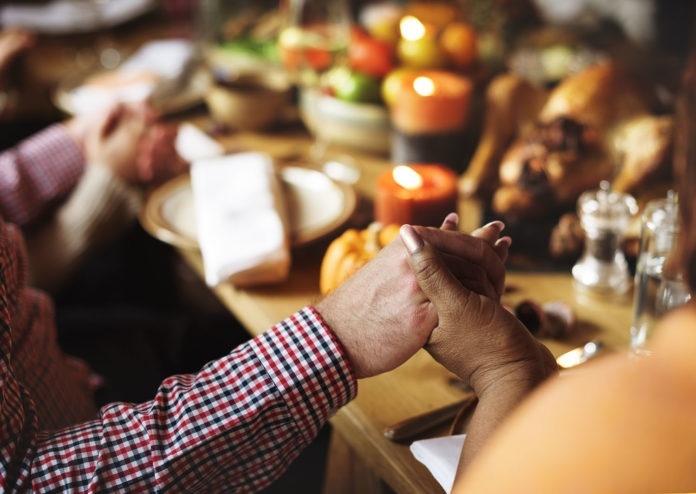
x: 234, y: 426
x: 37, y: 173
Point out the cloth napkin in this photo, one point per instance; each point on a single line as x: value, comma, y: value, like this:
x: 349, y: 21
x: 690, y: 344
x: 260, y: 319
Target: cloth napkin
x: 240, y: 215
x: 193, y: 144
x: 160, y: 66
x: 71, y: 16
x: 441, y: 456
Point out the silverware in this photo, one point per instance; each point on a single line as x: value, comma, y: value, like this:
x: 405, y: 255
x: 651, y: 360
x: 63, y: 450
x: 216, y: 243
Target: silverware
x: 579, y: 355
x: 413, y: 426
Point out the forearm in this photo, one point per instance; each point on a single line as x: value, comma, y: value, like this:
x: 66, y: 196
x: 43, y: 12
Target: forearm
x: 37, y: 173
x: 492, y: 409
x: 235, y: 426
x: 97, y: 212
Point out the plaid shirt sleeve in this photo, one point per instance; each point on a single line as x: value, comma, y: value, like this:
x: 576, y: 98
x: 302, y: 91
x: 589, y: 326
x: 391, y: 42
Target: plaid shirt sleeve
x: 37, y: 173
x: 233, y: 427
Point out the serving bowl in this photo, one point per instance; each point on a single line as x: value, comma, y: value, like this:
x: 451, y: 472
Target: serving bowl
x: 252, y: 101
x: 361, y: 126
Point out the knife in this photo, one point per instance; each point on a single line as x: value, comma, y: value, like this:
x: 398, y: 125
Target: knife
x: 413, y: 426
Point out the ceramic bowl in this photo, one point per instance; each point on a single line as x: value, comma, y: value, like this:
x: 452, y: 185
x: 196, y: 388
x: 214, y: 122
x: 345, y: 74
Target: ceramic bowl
x: 251, y: 101
x: 361, y: 126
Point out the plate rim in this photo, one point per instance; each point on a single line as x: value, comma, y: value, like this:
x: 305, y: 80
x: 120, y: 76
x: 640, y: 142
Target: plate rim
x: 193, y: 95
x: 154, y: 222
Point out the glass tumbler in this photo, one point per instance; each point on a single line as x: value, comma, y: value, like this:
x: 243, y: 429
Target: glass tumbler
x: 659, y: 285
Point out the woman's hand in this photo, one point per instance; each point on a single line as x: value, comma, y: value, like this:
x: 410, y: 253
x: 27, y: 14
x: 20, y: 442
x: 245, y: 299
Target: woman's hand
x: 475, y: 337
x: 478, y: 339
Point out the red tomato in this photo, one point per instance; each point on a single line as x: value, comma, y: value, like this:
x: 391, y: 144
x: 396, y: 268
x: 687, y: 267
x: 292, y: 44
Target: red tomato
x: 317, y: 59
x: 370, y: 55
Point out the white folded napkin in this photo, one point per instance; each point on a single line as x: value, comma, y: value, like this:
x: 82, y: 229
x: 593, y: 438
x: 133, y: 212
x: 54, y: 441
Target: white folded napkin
x: 71, y: 16
x: 159, y: 66
x: 441, y: 456
x: 193, y: 144
x: 241, y: 221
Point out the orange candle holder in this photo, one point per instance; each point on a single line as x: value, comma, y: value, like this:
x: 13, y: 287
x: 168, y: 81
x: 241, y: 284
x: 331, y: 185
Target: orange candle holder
x: 431, y: 102
x: 419, y: 194
x: 429, y: 119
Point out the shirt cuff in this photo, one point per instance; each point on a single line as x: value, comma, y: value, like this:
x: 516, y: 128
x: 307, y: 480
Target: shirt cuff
x: 308, y: 366
x: 58, y: 156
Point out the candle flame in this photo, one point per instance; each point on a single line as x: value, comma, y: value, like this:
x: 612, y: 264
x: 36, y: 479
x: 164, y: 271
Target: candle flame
x: 407, y: 177
x: 411, y: 28
x: 424, y: 86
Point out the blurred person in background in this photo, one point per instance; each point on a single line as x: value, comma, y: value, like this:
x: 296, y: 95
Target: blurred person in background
x: 75, y: 190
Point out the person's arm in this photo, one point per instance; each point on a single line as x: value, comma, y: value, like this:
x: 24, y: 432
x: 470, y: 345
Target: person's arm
x: 97, y: 212
x: 236, y: 425
x: 477, y: 339
x: 241, y: 420
x: 621, y: 423
x: 38, y: 173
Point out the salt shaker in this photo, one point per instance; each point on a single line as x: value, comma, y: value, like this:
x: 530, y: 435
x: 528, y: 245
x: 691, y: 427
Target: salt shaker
x: 604, y: 216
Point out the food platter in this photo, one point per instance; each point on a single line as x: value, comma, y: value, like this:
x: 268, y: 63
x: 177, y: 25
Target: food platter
x: 316, y: 206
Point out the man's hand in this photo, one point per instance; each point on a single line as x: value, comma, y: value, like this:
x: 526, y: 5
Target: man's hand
x: 380, y: 314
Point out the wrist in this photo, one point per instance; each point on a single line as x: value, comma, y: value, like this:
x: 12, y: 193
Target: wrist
x: 517, y: 377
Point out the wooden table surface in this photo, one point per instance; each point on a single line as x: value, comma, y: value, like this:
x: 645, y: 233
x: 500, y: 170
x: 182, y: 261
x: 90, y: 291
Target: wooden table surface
x: 361, y: 459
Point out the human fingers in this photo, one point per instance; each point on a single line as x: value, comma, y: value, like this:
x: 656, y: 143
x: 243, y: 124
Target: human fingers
x: 451, y: 222
x: 158, y: 159
x: 432, y: 274
x: 108, y: 122
x: 475, y: 336
x: 502, y: 247
x: 468, y: 256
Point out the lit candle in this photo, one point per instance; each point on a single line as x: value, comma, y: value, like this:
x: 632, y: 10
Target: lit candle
x: 432, y: 101
x: 429, y: 118
x: 415, y: 194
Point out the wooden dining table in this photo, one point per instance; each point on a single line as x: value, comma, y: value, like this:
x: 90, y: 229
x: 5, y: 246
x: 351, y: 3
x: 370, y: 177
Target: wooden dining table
x: 360, y: 458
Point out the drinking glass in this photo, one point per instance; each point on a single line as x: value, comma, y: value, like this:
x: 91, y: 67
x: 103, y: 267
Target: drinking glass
x: 659, y: 285
x: 314, y: 40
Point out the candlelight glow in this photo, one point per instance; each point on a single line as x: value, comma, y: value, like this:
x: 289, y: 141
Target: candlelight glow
x: 424, y: 86
x: 411, y: 28
x: 407, y: 177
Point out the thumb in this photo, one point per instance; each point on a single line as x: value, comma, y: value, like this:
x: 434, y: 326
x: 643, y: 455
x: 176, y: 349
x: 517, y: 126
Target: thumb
x: 110, y: 120
x: 434, y: 278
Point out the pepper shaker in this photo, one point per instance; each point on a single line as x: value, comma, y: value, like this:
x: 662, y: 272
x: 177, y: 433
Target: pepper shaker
x: 604, y: 216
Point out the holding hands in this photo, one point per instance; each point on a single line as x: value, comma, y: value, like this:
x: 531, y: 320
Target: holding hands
x: 132, y: 141
x: 440, y: 289
x: 378, y: 340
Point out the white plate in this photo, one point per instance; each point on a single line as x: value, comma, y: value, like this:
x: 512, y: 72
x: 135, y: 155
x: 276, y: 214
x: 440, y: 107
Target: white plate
x: 189, y: 95
x: 71, y: 16
x: 317, y: 206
